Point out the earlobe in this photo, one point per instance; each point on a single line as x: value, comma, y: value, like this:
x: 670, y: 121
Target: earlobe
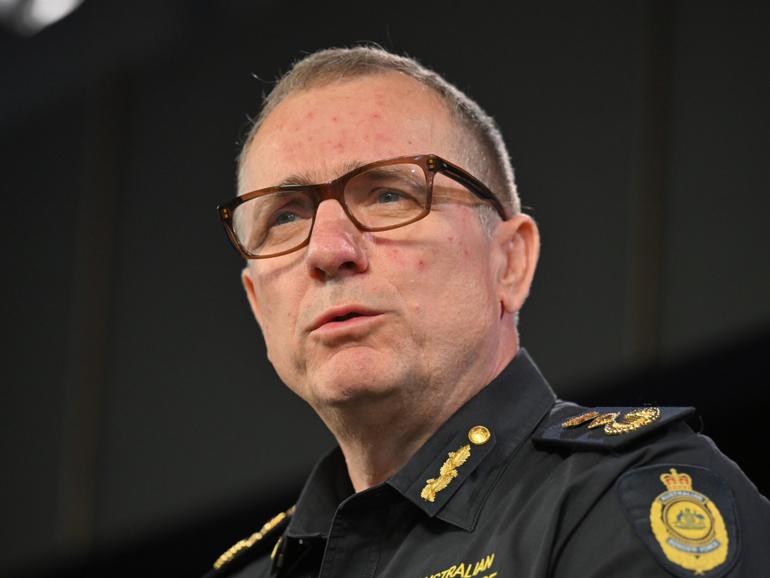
x: 248, y: 287
x: 518, y: 243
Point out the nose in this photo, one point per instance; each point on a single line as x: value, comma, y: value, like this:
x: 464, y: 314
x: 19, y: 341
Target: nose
x: 336, y: 245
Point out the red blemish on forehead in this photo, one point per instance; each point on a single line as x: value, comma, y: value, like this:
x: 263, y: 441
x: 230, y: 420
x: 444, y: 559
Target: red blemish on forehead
x: 310, y: 114
x: 421, y: 265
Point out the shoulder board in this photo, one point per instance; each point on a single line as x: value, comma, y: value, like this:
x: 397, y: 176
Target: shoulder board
x: 605, y: 428
x: 250, y: 544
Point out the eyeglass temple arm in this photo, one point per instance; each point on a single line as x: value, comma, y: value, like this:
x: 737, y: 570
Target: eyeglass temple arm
x: 473, y: 185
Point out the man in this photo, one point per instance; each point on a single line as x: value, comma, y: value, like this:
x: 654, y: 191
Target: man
x: 388, y: 297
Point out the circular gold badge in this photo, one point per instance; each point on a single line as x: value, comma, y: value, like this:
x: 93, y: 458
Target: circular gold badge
x: 479, y: 435
x: 688, y: 521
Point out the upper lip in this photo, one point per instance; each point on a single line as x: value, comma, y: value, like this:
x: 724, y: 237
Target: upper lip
x: 335, y: 312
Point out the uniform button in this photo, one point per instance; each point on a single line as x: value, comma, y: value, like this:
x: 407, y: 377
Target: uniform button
x: 479, y: 435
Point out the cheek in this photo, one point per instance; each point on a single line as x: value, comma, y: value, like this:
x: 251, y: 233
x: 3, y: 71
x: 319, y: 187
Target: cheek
x: 280, y: 323
x: 280, y: 304
x: 396, y: 258
x: 463, y: 248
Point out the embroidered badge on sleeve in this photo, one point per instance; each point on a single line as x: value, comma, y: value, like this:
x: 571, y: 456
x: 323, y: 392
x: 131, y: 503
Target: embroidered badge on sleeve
x: 685, y: 515
x: 688, y: 526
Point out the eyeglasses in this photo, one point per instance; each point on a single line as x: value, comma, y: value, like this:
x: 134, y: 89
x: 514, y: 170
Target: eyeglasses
x: 379, y: 196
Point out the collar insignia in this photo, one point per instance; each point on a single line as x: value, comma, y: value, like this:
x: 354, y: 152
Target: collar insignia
x: 447, y: 473
x: 249, y: 542
x: 688, y: 526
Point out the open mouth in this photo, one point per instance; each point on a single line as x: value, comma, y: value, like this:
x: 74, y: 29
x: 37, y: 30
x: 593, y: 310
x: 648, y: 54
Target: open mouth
x: 347, y: 316
x: 342, y: 315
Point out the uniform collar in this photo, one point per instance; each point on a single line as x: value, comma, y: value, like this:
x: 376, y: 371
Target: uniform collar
x: 510, y: 407
x: 326, y: 488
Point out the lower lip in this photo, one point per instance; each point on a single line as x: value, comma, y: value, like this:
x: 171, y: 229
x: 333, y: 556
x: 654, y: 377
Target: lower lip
x: 354, y: 323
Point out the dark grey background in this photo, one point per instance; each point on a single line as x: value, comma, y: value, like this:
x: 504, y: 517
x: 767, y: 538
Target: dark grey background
x: 142, y: 430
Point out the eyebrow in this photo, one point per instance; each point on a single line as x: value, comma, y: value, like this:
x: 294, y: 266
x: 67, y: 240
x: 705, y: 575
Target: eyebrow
x: 311, y: 178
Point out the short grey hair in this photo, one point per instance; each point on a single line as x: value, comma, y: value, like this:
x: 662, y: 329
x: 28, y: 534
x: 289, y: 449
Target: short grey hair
x: 488, y: 159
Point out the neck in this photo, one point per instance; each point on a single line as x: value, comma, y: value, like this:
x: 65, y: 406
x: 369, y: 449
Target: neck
x: 373, y: 458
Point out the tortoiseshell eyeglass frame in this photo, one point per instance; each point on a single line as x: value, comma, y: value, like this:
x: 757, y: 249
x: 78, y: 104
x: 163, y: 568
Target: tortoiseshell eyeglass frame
x: 429, y: 163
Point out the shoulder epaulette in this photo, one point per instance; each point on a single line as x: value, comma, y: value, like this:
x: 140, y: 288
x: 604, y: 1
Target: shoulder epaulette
x: 605, y: 427
x: 237, y: 550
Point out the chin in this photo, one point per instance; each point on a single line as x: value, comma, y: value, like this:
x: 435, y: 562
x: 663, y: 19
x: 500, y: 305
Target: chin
x: 354, y: 378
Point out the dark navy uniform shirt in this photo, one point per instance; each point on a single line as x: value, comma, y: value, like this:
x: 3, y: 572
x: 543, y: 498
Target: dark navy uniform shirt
x: 525, y: 496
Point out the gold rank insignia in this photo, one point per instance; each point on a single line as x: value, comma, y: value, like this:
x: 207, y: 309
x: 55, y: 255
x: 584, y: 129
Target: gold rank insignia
x: 447, y: 473
x: 688, y: 526
x: 256, y: 537
x: 579, y: 419
x: 609, y: 422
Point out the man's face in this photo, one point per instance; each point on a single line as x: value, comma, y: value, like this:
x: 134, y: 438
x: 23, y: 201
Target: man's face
x: 360, y: 316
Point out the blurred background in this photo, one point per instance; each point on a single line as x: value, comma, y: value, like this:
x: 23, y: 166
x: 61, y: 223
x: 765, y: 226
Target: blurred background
x: 142, y: 430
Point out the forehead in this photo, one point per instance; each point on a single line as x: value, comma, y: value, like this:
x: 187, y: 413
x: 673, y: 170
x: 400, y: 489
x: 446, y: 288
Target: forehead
x: 320, y: 132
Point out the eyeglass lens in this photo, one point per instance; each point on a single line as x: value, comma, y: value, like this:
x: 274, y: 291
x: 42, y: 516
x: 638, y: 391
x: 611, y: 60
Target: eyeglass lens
x: 381, y: 197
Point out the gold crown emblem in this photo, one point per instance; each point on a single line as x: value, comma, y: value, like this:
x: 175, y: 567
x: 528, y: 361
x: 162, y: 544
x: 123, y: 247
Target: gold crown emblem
x: 676, y: 481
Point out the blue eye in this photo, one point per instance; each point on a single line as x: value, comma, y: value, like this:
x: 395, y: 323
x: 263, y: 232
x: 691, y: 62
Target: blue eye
x: 285, y: 218
x: 389, y: 197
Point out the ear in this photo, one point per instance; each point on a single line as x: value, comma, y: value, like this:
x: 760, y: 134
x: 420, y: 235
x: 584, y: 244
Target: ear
x: 517, y: 245
x: 248, y: 286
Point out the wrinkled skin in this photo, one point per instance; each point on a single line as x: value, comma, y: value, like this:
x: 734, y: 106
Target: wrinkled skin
x: 441, y: 293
